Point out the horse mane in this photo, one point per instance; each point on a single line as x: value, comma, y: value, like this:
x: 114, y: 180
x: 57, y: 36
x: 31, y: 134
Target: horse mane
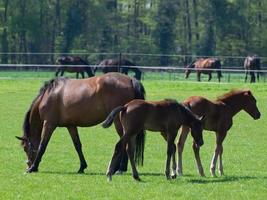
x: 185, y: 110
x: 48, y: 86
x: 229, y: 94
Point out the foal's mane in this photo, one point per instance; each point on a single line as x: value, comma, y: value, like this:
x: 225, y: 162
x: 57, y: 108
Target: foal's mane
x: 185, y: 110
x: 48, y: 86
x: 230, y: 94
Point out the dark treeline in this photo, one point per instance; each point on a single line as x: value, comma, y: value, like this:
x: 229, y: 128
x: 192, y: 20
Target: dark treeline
x: 197, y: 27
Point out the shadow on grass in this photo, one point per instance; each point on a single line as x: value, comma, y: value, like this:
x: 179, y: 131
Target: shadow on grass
x: 222, y: 179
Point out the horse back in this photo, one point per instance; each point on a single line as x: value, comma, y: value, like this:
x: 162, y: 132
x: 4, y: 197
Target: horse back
x: 86, y: 102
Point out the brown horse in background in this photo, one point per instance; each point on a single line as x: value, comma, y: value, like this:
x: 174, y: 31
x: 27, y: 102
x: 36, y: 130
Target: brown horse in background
x: 119, y: 65
x: 72, y: 61
x: 204, y: 66
x: 71, y: 103
x: 218, y: 118
x: 164, y: 116
x: 252, y: 63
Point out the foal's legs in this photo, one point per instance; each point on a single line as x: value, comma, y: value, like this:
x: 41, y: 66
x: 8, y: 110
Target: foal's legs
x: 170, y: 150
x: 174, y: 165
x: 218, y: 152
x: 198, y: 160
x: 130, y: 151
x: 46, y: 135
x: 198, y: 76
x: 116, y: 158
x: 180, y: 147
x: 78, y: 146
x: 122, y: 166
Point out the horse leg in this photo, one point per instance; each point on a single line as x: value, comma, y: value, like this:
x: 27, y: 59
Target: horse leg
x: 198, y: 160
x: 218, y: 151
x: 116, y: 158
x: 82, y: 73
x: 246, y: 77
x: 170, y: 143
x: 174, y: 166
x: 130, y: 151
x: 210, y: 76
x: 46, y: 135
x: 77, y: 75
x: 180, y: 147
x: 122, y: 166
x: 78, y: 146
x: 62, y: 72
x: 252, y: 79
x: 57, y: 72
x: 198, y: 76
x: 258, y: 76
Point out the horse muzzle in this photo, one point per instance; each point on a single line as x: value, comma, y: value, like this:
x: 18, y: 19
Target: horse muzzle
x: 257, y: 116
x: 200, y: 143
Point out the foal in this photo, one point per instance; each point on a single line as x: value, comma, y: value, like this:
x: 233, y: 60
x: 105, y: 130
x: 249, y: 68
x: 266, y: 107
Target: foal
x: 218, y: 118
x: 164, y: 116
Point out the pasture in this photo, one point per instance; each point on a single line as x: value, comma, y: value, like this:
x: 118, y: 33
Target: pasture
x: 244, y: 152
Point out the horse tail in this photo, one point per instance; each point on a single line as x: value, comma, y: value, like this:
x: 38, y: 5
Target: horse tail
x: 139, y: 90
x: 219, y: 67
x: 140, y: 147
x: 110, y: 118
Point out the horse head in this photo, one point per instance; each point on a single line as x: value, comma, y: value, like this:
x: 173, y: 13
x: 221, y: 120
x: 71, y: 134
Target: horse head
x: 250, y: 105
x: 188, y: 69
x: 196, y: 131
x: 29, y: 149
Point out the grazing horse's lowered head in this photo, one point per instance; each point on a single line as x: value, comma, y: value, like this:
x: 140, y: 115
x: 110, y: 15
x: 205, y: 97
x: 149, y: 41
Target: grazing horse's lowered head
x: 189, y: 69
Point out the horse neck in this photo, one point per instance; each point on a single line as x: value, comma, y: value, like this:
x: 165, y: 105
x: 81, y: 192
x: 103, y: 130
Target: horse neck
x: 234, y: 104
x: 187, y: 117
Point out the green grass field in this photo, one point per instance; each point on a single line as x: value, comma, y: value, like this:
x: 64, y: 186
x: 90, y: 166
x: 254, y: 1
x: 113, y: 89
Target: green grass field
x: 245, y: 153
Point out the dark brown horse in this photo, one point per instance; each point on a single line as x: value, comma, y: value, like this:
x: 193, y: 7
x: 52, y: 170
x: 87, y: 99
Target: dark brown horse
x: 119, y: 65
x: 71, y: 103
x: 68, y: 64
x: 164, y: 116
x: 218, y: 118
x: 204, y: 66
x: 252, y: 63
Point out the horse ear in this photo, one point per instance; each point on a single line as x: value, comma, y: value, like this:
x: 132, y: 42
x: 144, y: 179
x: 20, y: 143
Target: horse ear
x: 248, y: 93
x: 20, y: 138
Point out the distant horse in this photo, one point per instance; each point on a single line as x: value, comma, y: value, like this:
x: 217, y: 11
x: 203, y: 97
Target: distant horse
x: 119, y: 65
x: 218, y: 118
x: 164, y: 116
x: 205, y: 66
x: 71, y: 103
x: 72, y: 61
x: 252, y: 63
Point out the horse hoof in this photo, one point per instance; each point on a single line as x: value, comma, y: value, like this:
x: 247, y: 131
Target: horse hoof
x: 81, y: 171
x: 119, y: 172
x: 109, y: 179
x: 174, y: 176
x: 32, y: 169
x: 137, y: 179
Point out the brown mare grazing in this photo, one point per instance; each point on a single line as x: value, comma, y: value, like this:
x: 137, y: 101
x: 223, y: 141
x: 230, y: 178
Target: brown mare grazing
x: 218, y: 118
x: 205, y: 66
x: 71, y: 103
x: 72, y: 61
x: 252, y: 63
x: 164, y: 116
x: 119, y: 65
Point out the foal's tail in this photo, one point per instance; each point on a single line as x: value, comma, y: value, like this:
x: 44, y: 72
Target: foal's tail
x: 140, y: 138
x: 110, y: 118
